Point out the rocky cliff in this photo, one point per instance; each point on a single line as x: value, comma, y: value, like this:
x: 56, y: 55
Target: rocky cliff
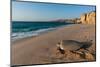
x: 88, y: 18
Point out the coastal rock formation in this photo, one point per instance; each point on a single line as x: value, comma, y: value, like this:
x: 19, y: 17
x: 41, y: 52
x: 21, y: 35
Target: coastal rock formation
x: 88, y: 18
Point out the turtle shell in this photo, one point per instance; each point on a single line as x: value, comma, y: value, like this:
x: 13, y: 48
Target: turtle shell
x: 71, y: 44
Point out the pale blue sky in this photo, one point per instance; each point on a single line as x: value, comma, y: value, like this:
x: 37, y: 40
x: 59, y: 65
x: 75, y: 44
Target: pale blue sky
x: 30, y: 11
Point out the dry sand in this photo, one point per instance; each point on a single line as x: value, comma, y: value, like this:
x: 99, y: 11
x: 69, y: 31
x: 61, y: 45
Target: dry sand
x: 42, y: 49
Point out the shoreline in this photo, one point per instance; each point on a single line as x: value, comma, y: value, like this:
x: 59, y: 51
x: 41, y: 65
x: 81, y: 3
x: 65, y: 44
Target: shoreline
x: 38, y: 50
x: 42, y: 33
x: 20, y: 32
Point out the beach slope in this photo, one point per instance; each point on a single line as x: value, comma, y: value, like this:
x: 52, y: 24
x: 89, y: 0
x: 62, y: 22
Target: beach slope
x: 42, y: 49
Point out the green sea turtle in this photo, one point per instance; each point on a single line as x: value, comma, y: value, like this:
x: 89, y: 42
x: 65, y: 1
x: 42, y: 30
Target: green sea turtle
x: 73, y: 46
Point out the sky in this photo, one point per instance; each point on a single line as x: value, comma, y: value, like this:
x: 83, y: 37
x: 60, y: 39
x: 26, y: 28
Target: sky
x: 31, y: 11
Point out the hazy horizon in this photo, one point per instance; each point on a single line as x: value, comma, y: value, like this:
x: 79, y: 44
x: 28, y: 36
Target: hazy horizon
x: 31, y: 11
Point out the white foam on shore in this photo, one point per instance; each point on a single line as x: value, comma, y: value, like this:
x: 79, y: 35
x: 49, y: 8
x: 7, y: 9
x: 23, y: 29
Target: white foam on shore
x: 20, y: 35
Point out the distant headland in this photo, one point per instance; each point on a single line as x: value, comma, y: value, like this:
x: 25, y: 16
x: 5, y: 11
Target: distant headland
x: 86, y: 18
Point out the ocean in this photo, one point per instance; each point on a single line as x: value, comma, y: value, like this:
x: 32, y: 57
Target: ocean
x: 21, y: 29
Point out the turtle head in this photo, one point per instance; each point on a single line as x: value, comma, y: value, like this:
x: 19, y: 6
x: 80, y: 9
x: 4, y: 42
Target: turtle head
x: 91, y: 40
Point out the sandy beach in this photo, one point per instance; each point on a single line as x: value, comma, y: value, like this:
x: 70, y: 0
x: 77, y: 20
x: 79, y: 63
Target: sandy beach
x: 42, y: 49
